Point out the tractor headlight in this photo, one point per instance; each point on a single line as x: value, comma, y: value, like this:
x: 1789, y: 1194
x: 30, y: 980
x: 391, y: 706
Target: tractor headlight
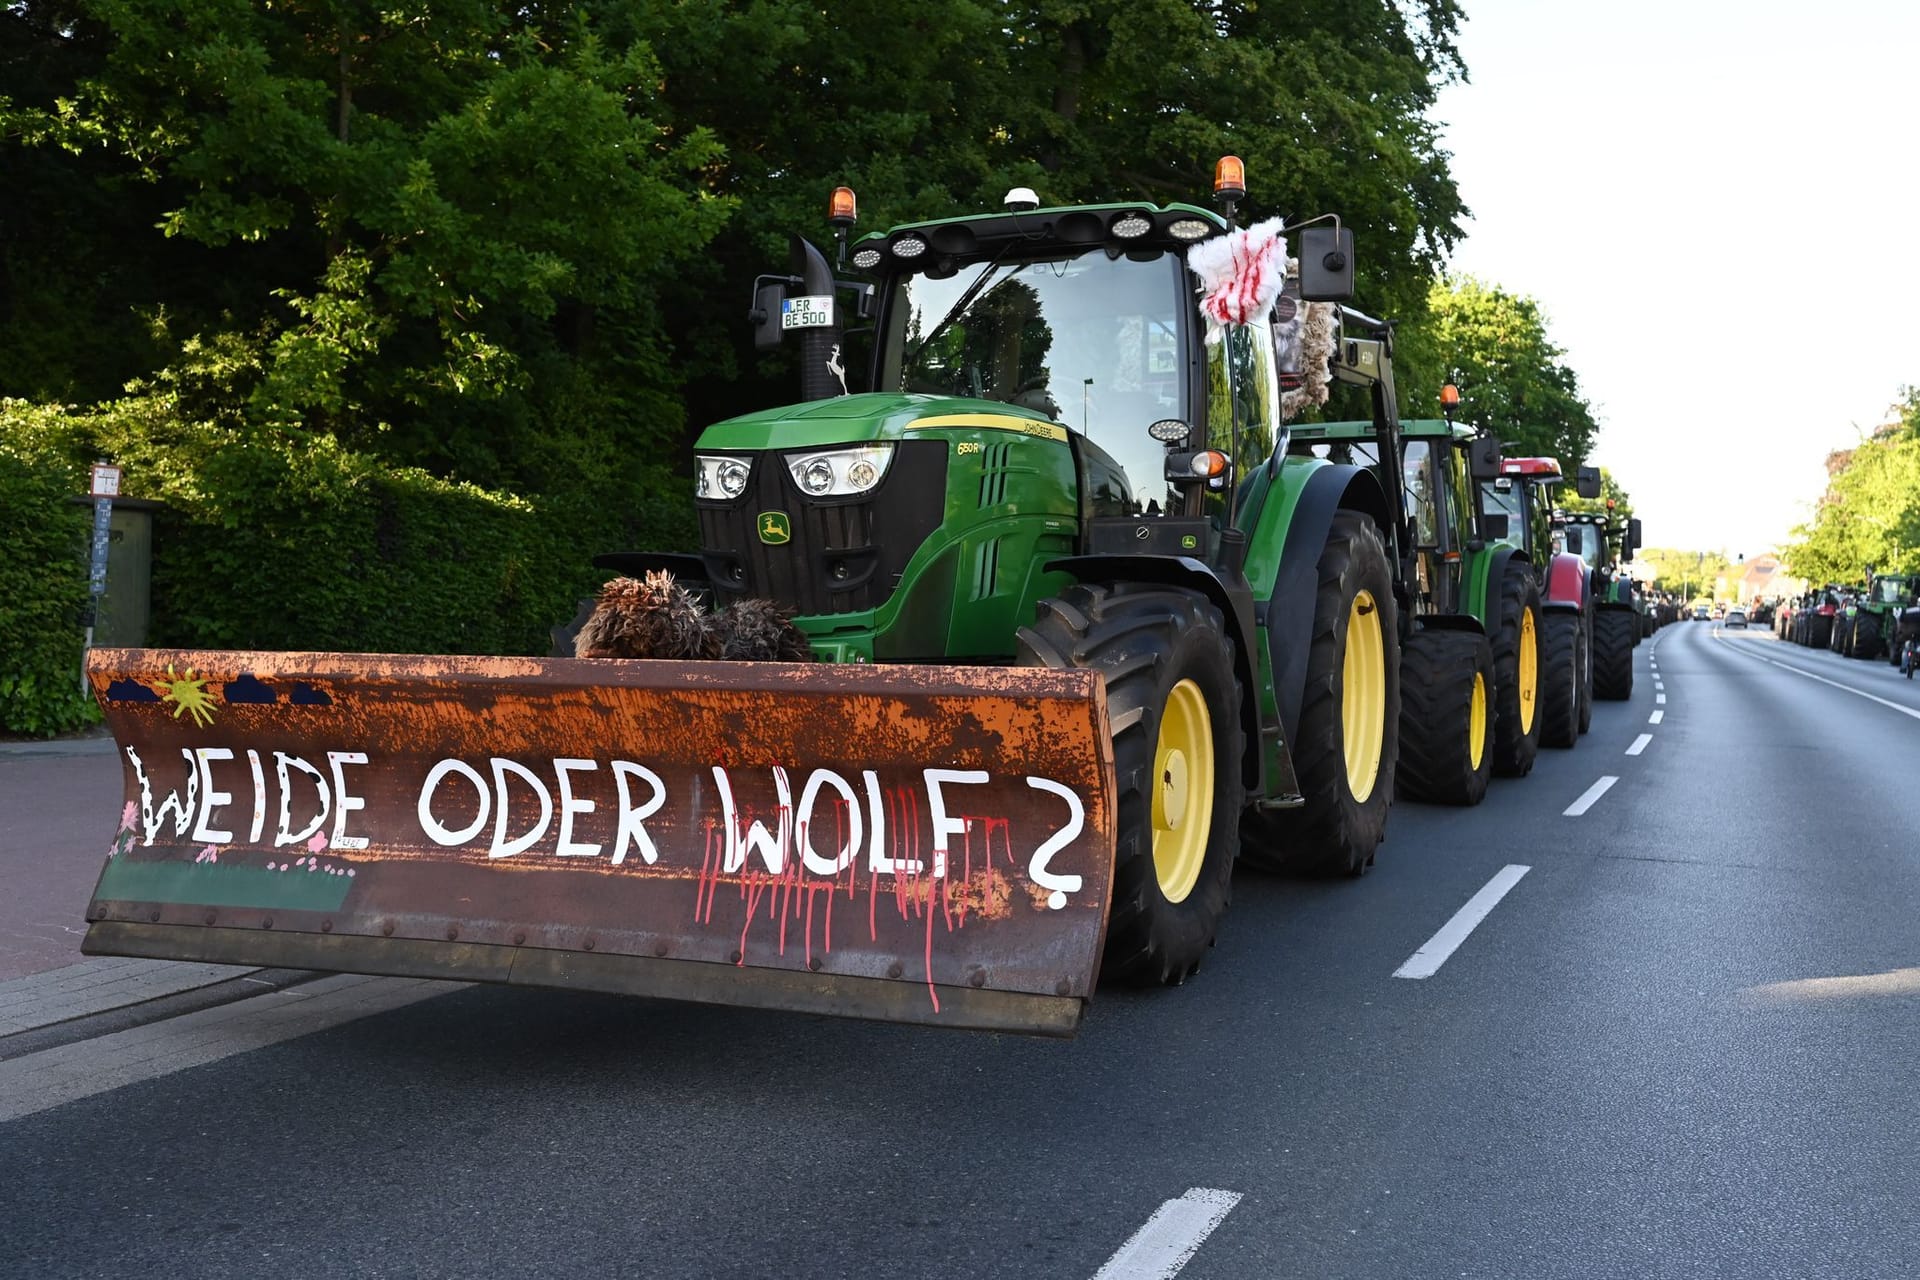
x: 840, y: 473
x: 721, y: 477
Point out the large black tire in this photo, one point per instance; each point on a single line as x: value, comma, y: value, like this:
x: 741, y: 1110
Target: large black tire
x: 1586, y: 671
x: 1819, y: 631
x: 1865, y: 641
x: 1560, y: 679
x: 1338, y: 829
x: 1613, y: 655
x: 1446, y: 721
x: 1516, y: 672
x: 1839, y: 633
x: 1165, y: 655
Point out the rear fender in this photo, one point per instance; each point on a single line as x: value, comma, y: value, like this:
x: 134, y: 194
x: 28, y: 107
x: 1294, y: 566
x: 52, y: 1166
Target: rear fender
x: 1286, y: 535
x: 1566, y: 582
x: 1485, y: 571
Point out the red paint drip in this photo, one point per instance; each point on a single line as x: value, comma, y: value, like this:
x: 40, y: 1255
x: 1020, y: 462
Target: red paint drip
x: 932, y: 994
x: 708, y: 881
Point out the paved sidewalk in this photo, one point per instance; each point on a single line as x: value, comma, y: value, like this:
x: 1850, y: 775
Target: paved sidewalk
x: 60, y: 804
x: 97, y: 985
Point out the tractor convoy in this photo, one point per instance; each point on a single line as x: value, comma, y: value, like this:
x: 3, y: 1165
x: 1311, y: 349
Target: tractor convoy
x: 1875, y: 619
x: 1002, y: 647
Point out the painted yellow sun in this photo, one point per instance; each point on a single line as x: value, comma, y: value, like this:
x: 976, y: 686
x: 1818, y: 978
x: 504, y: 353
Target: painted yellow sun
x: 189, y: 695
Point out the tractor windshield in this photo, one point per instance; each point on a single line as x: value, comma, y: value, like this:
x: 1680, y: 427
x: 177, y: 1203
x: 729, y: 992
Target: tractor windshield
x: 1091, y: 341
x: 1505, y: 498
x: 1890, y: 590
x: 1586, y: 541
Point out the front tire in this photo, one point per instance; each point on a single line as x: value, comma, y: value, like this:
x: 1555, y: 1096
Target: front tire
x: 1446, y: 719
x: 1613, y: 655
x: 1560, y: 680
x: 1177, y: 756
x: 1516, y: 671
x: 1349, y: 734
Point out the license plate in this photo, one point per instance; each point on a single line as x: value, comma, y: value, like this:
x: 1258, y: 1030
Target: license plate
x: 813, y: 311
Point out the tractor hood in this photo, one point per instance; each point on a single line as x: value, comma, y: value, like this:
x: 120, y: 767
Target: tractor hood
x: 870, y: 416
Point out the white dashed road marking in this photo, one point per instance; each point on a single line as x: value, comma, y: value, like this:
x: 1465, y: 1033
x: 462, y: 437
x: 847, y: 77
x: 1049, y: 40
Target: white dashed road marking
x: 1168, y: 1240
x: 1586, y: 801
x: 1425, y: 962
x: 1656, y: 717
x: 1639, y: 744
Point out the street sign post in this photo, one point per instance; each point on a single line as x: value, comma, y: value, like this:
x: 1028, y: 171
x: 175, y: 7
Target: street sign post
x: 105, y: 488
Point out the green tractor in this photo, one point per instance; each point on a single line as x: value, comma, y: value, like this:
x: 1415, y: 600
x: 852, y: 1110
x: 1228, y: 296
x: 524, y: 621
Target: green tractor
x: 1052, y: 458
x: 1876, y: 616
x: 1606, y: 545
x: 1473, y: 662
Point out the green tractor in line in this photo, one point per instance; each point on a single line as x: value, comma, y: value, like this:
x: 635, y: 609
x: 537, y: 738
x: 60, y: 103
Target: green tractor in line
x: 1869, y: 625
x: 1049, y: 460
x: 1621, y: 618
x: 1476, y: 665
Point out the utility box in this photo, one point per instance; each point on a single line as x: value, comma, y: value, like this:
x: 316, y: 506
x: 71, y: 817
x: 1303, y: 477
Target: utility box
x: 126, y: 609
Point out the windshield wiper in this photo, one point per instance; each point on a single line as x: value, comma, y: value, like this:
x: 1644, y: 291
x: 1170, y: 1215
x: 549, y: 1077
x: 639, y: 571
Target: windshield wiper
x: 965, y: 300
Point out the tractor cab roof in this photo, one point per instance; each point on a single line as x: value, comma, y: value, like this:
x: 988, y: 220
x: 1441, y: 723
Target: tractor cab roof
x: 1120, y: 228
x: 1532, y: 468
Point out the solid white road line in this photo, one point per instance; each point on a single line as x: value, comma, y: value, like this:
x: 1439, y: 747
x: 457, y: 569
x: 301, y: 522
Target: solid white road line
x: 37, y: 1081
x: 1593, y: 793
x: 1425, y: 962
x: 1656, y: 717
x: 1858, y: 693
x: 1639, y: 744
x: 1168, y: 1240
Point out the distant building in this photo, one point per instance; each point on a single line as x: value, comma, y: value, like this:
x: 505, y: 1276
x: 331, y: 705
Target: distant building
x: 1762, y: 576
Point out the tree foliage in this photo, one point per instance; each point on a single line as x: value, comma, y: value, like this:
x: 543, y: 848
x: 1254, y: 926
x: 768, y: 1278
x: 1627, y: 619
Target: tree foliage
x: 1870, y: 513
x: 509, y: 247
x: 1513, y: 380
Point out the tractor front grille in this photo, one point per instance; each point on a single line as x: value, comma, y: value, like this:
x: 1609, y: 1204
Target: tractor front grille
x: 842, y: 555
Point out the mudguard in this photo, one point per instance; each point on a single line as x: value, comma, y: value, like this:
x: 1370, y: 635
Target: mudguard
x: 1566, y: 583
x: 1283, y: 562
x: 916, y: 844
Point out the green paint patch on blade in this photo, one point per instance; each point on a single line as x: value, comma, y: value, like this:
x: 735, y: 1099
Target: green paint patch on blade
x: 208, y: 884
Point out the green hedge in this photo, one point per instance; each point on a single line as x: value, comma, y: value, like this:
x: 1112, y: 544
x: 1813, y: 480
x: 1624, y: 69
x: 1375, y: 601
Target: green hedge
x: 276, y: 539
x: 43, y: 584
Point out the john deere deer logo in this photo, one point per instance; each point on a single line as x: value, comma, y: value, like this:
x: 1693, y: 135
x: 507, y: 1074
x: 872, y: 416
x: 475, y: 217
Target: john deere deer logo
x: 774, y: 529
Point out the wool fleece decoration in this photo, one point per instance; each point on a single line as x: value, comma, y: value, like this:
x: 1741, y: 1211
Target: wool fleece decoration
x: 1241, y: 273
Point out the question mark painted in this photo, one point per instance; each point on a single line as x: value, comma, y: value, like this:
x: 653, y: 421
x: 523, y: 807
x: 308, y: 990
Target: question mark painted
x: 1037, y: 870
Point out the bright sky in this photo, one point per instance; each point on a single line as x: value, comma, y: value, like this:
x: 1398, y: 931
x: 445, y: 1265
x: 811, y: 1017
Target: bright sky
x: 1717, y: 205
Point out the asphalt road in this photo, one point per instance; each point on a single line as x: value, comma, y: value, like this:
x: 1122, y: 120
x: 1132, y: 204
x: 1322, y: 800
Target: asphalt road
x: 1681, y: 1044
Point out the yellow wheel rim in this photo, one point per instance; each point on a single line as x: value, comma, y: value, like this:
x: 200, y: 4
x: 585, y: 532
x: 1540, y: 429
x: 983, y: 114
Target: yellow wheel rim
x: 1529, y: 670
x: 1477, y: 722
x: 1182, y: 791
x: 1363, y: 696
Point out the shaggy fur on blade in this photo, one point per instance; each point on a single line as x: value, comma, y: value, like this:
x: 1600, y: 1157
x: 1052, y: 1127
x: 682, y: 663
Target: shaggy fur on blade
x: 651, y: 617
x: 656, y: 617
x: 760, y: 631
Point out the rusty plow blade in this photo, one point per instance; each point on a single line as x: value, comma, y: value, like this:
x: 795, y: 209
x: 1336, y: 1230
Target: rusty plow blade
x: 913, y: 844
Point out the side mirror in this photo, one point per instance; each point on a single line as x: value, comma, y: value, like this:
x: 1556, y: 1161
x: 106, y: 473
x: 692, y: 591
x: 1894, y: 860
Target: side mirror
x: 1326, y: 264
x: 1494, y: 528
x: 1586, y: 482
x: 1633, y: 537
x: 1483, y: 457
x: 768, y: 302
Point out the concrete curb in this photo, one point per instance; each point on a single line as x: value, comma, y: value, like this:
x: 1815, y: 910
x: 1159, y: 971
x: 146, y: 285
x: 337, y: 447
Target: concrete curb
x: 101, y: 746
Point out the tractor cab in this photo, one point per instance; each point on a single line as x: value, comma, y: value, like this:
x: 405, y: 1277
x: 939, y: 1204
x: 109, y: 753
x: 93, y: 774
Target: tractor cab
x: 1517, y: 504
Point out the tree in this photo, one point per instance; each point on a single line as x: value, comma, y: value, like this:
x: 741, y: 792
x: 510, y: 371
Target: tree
x: 1870, y: 514
x: 1513, y: 380
x: 444, y: 220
